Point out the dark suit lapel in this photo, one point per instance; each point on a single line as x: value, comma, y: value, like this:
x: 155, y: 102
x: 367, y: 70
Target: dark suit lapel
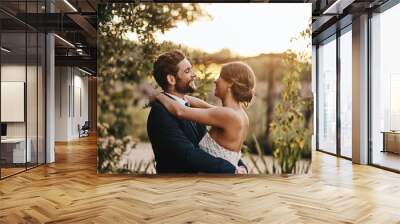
x: 192, y: 124
x: 188, y: 125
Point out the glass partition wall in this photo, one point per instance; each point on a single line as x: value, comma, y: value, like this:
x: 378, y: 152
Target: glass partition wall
x: 334, y: 90
x: 327, y: 95
x: 22, y: 87
x: 385, y: 89
x: 334, y: 95
x: 345, y: 62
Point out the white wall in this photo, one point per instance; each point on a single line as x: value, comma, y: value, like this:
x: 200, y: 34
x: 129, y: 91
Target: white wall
x: 81, y: 96
x: 33, y: 127
x: 12, y: 73
x: 71, y: 93
x: 61, y: 103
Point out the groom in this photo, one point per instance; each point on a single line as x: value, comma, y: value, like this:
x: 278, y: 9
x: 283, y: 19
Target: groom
x: 175, y: 142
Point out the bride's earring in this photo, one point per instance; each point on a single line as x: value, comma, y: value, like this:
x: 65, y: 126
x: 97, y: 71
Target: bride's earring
x: 228, y: 92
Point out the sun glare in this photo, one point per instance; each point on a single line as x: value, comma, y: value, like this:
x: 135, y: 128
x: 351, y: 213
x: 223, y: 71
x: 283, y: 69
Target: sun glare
x: 246, y: 29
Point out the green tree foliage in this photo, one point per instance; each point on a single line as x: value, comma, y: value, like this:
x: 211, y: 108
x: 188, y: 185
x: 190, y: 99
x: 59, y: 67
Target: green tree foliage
x: 289, y: 131
x: 288, y: 123
x: 204, y: 84
x: 290, y: 136
x: 124, y: 63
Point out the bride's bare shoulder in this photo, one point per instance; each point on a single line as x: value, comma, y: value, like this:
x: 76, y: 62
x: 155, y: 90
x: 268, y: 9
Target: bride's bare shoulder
x: 231, y: 113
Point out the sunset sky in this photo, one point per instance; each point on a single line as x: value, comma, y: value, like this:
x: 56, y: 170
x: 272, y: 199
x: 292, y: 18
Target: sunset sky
x: 247, y: 29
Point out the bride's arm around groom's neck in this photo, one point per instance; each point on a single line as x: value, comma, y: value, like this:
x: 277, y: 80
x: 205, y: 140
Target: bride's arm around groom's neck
x: 198, y: 103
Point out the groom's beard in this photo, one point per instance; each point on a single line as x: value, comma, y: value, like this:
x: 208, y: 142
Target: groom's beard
x: 185, y: 87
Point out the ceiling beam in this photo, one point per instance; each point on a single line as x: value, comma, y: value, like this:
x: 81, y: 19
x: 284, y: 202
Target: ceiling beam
x: 86, y: 26
x: 320, y: 23
x: 82, y: 61
x: 44, y: 22
x: 338, y: 6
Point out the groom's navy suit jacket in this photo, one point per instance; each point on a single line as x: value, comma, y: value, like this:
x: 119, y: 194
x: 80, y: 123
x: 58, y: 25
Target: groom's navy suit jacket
x: 175, y: 145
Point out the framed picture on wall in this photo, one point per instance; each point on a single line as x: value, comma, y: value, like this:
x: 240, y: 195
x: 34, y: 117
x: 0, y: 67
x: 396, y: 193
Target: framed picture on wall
x: 204, y: 88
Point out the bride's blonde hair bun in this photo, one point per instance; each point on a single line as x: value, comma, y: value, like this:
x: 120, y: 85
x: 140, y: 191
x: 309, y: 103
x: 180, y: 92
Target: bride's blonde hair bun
x: 243, y: 81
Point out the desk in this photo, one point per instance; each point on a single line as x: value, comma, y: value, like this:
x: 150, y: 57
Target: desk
x: 15, y: 148
x: 391, y: 141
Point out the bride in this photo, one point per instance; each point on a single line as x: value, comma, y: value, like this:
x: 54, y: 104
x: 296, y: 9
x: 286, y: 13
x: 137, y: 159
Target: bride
x: 229, y: 123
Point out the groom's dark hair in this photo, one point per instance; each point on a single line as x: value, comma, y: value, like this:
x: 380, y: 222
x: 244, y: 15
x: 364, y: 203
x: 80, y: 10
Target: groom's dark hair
x: 166, y: 63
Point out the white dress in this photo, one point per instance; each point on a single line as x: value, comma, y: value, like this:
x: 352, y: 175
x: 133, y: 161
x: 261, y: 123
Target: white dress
x: 210, y: 146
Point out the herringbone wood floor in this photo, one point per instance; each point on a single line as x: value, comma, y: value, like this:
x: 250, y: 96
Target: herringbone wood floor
x: 70, y: 191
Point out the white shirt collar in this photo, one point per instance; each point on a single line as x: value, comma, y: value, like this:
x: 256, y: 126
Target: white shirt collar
x: 180, y: 100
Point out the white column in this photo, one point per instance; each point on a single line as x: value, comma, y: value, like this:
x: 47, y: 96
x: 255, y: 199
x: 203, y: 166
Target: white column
x: 50, y: 100
x: 360, y: 89
x: 50, y: 93
x: 314, y: 90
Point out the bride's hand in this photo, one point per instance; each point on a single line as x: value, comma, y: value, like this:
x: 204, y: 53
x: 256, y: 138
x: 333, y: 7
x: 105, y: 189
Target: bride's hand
x: 241, y: 170
x: 187, y: 98
x: 149, y: 91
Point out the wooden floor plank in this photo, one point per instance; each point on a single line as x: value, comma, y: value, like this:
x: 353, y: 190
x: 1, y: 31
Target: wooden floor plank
x: 70, y: 191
